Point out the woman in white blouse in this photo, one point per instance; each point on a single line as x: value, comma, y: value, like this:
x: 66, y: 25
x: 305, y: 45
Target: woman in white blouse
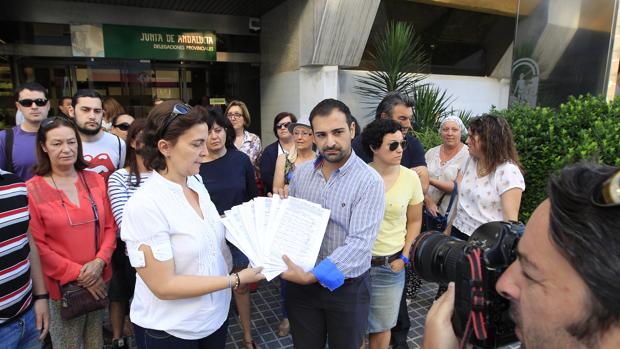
x: 491, y: 183
x: 175, y: 239
x: 444, y: 163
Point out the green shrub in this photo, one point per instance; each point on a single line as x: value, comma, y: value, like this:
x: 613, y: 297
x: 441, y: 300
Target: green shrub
x: 583, y: 128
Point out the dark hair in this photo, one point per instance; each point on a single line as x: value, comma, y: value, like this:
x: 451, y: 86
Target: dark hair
x: 133, y: 134
x: 85, y: 93
x: 279, y: 117
x: 215, y: 116
x: 326, y: 106
x: 391, y: 100
x: 497, y: 145
x: 61, y: 99
x: 32, y: 86
x: 155, y: 121
x: 113, y: 121
x: 586, y: 235
x: 44, y: 165
x: 244, y: 111
x: 372, y: 136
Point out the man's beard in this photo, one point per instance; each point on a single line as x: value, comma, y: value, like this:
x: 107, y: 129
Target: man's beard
x: 89, y: 132
x: 333, y: 158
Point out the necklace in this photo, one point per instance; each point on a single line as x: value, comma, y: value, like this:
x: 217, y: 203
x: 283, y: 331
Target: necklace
x: 445, y: 156
x: 481, y: 172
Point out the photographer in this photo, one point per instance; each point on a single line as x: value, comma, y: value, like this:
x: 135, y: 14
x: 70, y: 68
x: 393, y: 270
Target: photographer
x: 563, y: 287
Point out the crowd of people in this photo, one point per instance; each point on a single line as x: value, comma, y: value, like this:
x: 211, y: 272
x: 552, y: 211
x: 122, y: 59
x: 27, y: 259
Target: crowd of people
x: 103, y: 210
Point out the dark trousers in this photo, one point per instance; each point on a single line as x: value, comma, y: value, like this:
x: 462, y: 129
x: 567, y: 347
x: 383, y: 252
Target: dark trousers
x: 403, y: 323
x: 318, y: 315
x: 155, y: 339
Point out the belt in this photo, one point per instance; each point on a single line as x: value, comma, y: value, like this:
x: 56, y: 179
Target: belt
x: 384, y: 260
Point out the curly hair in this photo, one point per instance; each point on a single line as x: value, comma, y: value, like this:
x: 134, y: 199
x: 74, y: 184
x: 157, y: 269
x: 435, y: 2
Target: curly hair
x: 372, y: 136
x: 152, y: 132
x: 497, y: 143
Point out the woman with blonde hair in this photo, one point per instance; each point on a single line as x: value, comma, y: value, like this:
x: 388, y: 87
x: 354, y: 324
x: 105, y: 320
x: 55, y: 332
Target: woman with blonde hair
x: 239, y: 116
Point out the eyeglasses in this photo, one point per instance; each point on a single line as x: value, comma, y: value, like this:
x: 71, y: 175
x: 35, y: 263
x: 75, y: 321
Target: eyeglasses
x: 234, y: 115
x: 28, y: 102
x: 283, y: 125
x: 179, y: 109
x: 122, y: 126
x: 92, y: 204
x: 301, y: 133
x: 394, y: 145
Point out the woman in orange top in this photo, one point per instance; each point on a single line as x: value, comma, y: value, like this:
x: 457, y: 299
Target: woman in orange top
x: 65, y: 203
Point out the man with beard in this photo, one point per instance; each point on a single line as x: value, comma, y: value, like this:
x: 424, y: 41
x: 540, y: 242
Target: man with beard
x: 18, y: 144
x: 331, y: 302
x: 103, y: 151
x: 563, y: 287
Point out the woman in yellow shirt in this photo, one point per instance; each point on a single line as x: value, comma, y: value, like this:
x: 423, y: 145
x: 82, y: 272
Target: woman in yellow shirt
x: 402, y: 221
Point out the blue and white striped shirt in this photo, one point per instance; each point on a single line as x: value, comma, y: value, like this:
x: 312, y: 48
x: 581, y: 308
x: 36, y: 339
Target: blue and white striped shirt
x: 354, y: 194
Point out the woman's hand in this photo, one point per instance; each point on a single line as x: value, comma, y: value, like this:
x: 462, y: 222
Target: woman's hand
x: 250, y: 275
x: 397, y: 265
x: 98, y: 289
x: 90, y: 272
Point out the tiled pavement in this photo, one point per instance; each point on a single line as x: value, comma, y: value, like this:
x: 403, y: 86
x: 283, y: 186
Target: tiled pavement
x: 266, y: 317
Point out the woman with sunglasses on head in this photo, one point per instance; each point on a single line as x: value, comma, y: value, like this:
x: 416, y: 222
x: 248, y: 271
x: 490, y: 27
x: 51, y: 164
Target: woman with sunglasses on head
x: 72, y: 224
x: 122, y: 184
x: 120, y: 125
x: 175, y: 239
x: 239, y: 116
x: 228, y: 175
x: 302, y: 151
x: 384, y: 141
x: 491, y: 182
x: 283, y: 145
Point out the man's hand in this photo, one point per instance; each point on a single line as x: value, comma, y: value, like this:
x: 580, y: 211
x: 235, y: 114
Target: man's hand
x: 296, y: 274
x: 397, y: 265
x: 98, y: 289
x: 438, y: 332
x: 90, y: 272
x: 42, y: 313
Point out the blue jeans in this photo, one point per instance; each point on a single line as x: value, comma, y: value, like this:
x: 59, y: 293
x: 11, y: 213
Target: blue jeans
x: 385, y: 294
x: 20, y: 333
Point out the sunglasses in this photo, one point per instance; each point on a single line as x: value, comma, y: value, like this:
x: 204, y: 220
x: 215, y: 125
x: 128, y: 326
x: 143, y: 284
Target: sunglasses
x: 179, y: 109
x: 283, y: 125
x: 394, y: 145
x: 40, y: 102
x: 122, y: 126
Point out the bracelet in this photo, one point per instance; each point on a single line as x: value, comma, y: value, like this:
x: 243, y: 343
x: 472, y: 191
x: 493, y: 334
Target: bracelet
x: 404, y: 258
x: 237, y: 281
x: 36, y: 297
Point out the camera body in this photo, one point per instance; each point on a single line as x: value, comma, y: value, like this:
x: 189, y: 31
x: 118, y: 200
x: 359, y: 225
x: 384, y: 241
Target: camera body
x: 474, y: 266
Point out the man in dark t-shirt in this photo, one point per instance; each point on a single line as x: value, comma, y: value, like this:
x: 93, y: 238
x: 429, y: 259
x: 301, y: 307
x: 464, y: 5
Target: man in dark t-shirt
x: 400, y: 108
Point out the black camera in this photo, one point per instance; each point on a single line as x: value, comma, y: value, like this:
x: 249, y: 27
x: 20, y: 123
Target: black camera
x: 474, y: 266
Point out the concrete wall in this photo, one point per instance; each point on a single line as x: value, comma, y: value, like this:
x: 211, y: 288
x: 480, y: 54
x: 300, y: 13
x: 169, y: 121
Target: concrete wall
x: 477, y: 94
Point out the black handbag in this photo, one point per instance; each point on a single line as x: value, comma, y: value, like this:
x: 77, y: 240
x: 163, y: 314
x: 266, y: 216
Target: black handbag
x: 439, y: 222
x: 76, y: 300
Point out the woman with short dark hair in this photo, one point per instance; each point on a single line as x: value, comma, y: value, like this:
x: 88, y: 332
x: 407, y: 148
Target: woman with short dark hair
x: 283, y: 145
x: 175, y: 239
x: 72, y: 224
x: 384, y: 141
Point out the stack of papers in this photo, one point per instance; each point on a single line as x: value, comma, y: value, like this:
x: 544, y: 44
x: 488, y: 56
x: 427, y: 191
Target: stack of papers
x: 265, y: 229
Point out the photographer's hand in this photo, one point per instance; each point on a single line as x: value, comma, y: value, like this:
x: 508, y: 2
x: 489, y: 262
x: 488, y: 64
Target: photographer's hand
x: 438, y: 332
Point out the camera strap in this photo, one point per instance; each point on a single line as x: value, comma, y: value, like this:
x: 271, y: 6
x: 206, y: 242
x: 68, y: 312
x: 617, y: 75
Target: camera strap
x: 476, y: 315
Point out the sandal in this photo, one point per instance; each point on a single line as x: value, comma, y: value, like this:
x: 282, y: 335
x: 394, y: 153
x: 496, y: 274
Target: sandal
x: 284, y: 328
x: 251, y: 345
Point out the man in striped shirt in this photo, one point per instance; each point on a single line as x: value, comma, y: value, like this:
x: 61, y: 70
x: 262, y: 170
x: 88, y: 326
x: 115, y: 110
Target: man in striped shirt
x: 24, y: 315
x: 331, y: 301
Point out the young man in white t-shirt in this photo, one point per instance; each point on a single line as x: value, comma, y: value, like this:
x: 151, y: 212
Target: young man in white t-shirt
x: 104, y: 152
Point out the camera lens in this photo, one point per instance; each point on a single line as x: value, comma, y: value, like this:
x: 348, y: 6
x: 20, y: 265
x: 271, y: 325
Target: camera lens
x: 436, y: 257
